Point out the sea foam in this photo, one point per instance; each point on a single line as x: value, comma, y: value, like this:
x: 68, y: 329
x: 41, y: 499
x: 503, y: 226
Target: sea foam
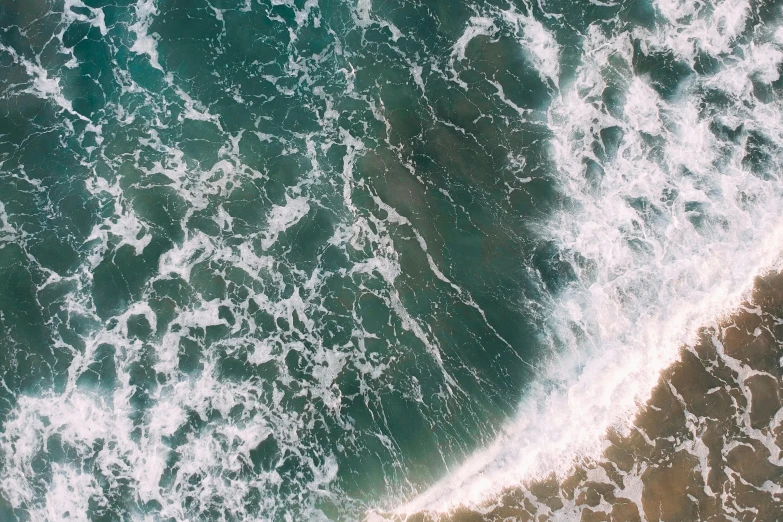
x: 664, y: 229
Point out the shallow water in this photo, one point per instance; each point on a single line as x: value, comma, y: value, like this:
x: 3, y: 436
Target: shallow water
x: 325, y: 260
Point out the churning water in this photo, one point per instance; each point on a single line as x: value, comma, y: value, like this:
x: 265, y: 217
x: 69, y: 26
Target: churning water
x: 336, y: 259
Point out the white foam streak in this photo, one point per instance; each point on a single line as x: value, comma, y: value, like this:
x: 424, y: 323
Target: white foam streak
x: 282, y: 217
x: 363, y: 18
x: 145, y: 43
x: 478, y: 26
x: 43, y: 86
x: 713, y: 27
x: 540, y: 45
x: 7, y: 231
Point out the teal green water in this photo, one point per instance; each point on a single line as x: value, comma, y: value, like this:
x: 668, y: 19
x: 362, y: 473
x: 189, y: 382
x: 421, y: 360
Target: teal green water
x: 322, y: 356
x: 285, y: 260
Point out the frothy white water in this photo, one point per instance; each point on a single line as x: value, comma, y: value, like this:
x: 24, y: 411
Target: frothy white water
x: 145, y: 43
x: 674, y: 208
x: 537, y: 42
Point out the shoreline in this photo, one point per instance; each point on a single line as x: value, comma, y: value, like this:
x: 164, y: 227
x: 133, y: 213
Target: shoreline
x: 708, y: 444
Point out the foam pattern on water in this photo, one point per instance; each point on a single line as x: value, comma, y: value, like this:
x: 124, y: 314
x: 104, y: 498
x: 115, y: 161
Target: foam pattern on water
x: 295, y: 260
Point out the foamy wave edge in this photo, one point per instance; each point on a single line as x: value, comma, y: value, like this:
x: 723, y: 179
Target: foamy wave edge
x: 622, y: 342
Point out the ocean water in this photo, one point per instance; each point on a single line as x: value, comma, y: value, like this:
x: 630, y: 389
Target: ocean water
x: 352, y: 259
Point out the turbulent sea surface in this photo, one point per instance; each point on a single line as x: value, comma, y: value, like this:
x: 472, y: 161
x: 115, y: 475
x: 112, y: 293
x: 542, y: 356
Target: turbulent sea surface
x: 310, y: 260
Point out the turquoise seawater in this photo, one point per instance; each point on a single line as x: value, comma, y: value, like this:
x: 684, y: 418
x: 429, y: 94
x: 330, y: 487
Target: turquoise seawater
x: 294, y: 260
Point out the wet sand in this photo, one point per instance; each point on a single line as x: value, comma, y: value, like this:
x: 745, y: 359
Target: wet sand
x: 707, y: 446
